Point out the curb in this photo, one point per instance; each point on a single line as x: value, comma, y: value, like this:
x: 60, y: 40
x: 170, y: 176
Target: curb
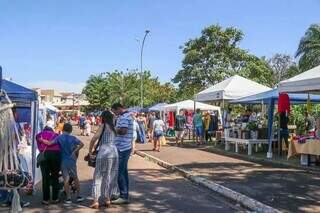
x: 226, y: 192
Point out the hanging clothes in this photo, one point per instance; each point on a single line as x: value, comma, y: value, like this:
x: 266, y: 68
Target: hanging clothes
x: 213, y: 123
x: 284, y: 103
x: 171, y: 119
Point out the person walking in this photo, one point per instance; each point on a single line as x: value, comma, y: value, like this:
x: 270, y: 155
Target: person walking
x: 198, y: 126
x: 207, y: 121
x: 158, y: 132
x: 123, y: 141
x: 50, y: 167
x: 151, y: 119
x: 179, y: 127
x: 82, y: 124
x: 105, y: 183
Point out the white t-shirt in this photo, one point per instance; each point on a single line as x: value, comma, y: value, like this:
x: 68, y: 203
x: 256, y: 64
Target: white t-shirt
x: 158, y: 125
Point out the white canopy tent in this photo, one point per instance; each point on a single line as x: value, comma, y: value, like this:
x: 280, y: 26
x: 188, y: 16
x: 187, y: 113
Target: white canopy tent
x: 158, y: 107
x: 232, y: 88
x: 308, y: 81
x: 189, y: 105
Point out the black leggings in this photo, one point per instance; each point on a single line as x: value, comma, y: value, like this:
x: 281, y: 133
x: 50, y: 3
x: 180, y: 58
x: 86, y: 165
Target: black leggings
x: 208, y: 136
x: 50, y: 169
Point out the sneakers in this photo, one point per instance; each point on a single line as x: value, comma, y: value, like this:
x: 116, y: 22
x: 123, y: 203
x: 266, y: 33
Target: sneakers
x: 24, y: 204
x: 67, y: 201
x: 120, y: 201
x: 80, y: 199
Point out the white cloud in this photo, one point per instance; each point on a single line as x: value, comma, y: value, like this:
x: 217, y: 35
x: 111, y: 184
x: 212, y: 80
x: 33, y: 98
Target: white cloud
x: 60, y: 86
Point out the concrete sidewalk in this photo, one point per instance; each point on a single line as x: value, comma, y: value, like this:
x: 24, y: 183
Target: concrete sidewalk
x: 286, y: 189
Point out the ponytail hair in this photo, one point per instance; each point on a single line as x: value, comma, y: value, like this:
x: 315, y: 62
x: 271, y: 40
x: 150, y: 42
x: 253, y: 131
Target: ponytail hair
x: 108, y: 118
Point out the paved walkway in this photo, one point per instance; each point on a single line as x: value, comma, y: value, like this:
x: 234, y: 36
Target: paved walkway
x: 153, y: 189
x: 287, y: 189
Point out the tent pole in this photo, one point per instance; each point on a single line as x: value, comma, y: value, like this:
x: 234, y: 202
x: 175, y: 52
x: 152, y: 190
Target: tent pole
x: 270, y: 127
x: 34, y: 126
x: 0, y: 78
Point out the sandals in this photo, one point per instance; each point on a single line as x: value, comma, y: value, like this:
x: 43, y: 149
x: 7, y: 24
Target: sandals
x: 46, y: 203
x: 95, y: 205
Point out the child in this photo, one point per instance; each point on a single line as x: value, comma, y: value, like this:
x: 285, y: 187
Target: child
x: 70, y: 145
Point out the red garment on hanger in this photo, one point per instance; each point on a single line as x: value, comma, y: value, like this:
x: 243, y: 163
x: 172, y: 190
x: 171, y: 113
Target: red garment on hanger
x: 171, y: 119
x: 284, y: 103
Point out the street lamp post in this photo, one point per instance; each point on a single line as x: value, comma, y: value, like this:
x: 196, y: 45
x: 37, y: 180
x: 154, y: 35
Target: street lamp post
x: 141, y: 67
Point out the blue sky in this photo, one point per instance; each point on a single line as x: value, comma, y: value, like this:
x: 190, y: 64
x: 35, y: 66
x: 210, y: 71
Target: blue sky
x: 60, y: 43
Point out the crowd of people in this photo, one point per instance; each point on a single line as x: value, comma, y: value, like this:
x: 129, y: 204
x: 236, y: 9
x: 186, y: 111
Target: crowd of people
x: 110, y: 149
x: 60, y: 150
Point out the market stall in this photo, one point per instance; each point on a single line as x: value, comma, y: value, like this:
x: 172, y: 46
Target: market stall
x: 270, y: 98
x: 25, y: 108
x: 307, y: 82
x: 230, y: 89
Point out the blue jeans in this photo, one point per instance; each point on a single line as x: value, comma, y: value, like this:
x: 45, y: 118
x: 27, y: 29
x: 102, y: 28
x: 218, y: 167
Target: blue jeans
x: 5, y: 196
x: 123, y: 176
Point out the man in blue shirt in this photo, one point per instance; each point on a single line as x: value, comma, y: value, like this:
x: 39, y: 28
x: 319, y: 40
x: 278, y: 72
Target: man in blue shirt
x: 82, y: 124
x: 70, y: 146
x: 123, y: 141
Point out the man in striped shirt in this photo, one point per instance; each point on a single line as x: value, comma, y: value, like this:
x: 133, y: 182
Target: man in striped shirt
x: 123, y: 141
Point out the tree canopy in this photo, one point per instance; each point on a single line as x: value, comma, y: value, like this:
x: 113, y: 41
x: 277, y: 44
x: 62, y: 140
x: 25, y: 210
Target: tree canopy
x: 216, y: 55
x: 309, y: 48
x: 117, y: 86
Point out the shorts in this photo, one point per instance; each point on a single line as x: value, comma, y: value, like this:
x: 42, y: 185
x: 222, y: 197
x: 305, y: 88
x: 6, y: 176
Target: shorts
x: 157, y: 134
x: 179, y: 134
x: 69, y: 171
x: 83, y: 126
x: 199, y: 131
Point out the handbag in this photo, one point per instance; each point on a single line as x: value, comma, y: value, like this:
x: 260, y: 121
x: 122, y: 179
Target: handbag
x: 41, y: 158
x: 92, y: 159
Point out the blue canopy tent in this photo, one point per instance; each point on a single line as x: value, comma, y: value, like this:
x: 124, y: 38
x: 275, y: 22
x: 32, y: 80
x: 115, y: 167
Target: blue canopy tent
x: 270, y: 98
x: 26, y: 108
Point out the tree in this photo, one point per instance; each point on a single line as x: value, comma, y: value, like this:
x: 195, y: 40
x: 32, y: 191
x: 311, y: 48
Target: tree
x: 309, y: 48
x: 107, y: 88
x: 96, y: 91
x: 214, y: 56
x: 283, y: 67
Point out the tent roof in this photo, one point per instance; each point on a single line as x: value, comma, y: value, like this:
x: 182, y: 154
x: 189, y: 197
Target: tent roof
x: 18, y: 93
x: 157, y: 107
x: 230, y: 89
x: 274, y: 94
x: 189, y: 105
x: 304, y: 82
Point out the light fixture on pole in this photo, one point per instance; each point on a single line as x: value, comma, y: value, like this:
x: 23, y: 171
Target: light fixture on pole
x: 141, y: 67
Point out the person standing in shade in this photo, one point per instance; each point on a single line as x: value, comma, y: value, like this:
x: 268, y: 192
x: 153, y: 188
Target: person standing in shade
x: 123, y: 141
x: 50, y: 167
x: 198, y: 126
x: 105, y: 182
x: 206, y: 121
x: 179, y: 127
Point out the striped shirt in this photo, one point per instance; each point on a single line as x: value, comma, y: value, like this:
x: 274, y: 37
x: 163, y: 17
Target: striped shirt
x: 124, y: 142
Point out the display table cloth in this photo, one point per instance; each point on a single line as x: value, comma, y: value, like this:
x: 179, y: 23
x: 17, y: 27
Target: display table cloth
x: 310, y: 147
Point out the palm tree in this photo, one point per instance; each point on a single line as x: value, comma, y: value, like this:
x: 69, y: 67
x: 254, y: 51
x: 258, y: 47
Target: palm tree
x: 309, y: 48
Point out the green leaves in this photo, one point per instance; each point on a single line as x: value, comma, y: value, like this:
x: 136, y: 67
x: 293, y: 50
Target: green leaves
x: 214, y: 56
x: 107, y: 88
x: 309, y: 48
